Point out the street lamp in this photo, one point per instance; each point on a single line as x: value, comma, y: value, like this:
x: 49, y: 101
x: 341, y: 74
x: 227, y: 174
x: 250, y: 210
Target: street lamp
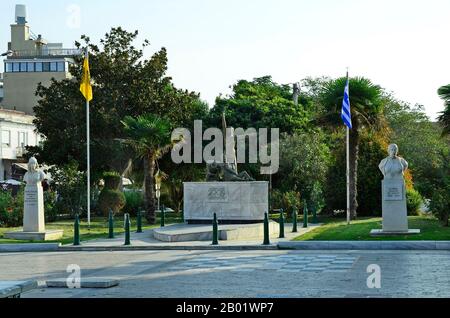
x: 158, y: 191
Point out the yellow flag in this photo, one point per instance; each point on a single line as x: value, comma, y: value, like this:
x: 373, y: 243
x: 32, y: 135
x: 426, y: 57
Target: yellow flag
x: 85, y: 87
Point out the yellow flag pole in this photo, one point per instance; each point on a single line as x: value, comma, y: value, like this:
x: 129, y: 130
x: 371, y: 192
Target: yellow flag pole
x: 88, y: 141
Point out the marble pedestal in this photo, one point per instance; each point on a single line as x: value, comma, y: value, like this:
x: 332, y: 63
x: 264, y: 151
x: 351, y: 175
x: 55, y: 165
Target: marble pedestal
x: 395, y: 212
x: 233, y: 202
x: 34, y: 218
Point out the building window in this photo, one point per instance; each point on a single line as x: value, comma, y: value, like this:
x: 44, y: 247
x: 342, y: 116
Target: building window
x: 16, y: 67
x: 22, y: 140
x: 30, y: 67
x: 46, y: 67
x: 8, y: 67
x: 38, y: 66
x: 53, y: 67
x: 23, y: 67
x: 61, y: 66
x: 6, y: 138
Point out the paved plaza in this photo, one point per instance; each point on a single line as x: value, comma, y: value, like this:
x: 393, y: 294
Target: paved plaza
x: 230, y: 274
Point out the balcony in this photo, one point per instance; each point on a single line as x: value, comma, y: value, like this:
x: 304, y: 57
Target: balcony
x: 44, y: 53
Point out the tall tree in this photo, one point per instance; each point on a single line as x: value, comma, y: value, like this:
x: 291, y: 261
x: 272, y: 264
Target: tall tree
x: 261, y: 103
x: 150, y: 137
x: 444, y: 119
x: 124, y: 84
x: 366, y: 107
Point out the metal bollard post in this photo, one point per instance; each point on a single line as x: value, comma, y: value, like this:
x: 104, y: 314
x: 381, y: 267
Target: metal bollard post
x: 111, y: 225
x: 127, y: 230
x: 139, y: 222
x: 266, y: 230
x: 215, y: 240
x: 314, y: 220
x: 305, y: 216
x: 163, y: 216
x: 76, y: 231
x: 282, y: 224
x: 295, y: 220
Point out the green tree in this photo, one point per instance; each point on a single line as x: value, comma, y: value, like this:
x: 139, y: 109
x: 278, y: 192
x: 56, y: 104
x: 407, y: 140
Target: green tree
x: 304, y: 162
x: 124, y: 84
x: 261, y: 103
x: 150, y: 137
x: 367, y: 108
x: 444, y: 119
x: 407, y: 123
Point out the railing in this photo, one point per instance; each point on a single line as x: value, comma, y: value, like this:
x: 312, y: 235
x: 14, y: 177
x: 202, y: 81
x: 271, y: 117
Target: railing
x: 45, y: 53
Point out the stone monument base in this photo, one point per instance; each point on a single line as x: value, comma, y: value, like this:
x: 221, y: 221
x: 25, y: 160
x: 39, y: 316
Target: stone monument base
x: 52, y: 235
x: 233, y: 202
x: 398, y: 233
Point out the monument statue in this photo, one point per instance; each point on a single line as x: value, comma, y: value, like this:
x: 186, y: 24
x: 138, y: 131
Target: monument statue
x: 395, y: 212
x: 33, y: 213
x: 226, y: 171
x: 393, y: 167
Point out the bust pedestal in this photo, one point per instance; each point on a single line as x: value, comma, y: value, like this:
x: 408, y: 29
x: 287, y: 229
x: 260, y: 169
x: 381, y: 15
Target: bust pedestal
x: 395, y: 212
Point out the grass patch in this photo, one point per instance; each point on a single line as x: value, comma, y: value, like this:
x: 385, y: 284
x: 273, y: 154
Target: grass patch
x: 98, y: 230
x: 337, y: 230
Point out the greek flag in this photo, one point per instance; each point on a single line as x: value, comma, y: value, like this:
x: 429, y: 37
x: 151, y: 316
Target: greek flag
x: 346, y: 114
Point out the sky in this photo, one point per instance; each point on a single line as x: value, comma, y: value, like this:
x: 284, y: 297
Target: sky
x: 401, y: 45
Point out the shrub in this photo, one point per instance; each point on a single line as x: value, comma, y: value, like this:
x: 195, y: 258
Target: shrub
x: 112, y: 180
x: 50, y: 207
x: 414, y: 201
x: 70, y: 186
x: 440, y: 205
x: 134, y: 202
x: 286, y: 201
x: 11, y: 209
x: 111, y: 200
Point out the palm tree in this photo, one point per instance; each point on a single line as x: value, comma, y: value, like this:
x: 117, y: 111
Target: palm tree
x: 366, y: 107
x: 150, y: 137
x: 444, y: 119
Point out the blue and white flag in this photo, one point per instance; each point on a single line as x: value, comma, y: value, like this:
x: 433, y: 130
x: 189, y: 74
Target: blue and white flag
x: 346, y: 114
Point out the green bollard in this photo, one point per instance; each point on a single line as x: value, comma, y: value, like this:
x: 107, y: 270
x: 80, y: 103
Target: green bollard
x: 314, y: 220
x: 305, y: 216
x: 215, y: 240
x: 266, y: 230
x: 111, y: 225
x: 163, y: 216
x: 295, y: 220
x: 76, y: 231
x: 282, y: 224
x: 127, y: 230
x: 139, y: 222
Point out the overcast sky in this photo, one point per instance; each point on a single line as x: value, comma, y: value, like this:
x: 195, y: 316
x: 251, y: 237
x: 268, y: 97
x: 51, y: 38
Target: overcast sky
x: 401, y: 45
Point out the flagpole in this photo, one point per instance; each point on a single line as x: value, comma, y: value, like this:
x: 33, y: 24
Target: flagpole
x: 88, y: 142
x: 348, y: 175
x: 348, y: 168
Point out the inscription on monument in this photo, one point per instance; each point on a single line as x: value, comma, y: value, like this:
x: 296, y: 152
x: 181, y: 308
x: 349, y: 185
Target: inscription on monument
x: 31, y: 198
x: 393, y: 191
x: 217, y: 194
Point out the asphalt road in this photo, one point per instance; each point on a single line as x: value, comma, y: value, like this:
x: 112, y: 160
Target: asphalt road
x: 228, y: 274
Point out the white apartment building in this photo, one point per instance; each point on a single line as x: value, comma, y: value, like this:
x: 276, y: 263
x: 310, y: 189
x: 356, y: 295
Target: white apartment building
x: 17, y: 132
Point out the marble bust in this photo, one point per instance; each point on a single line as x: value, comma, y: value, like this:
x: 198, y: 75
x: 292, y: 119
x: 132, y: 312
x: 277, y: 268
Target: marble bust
x: 34, y: 176
x: 393, y: 167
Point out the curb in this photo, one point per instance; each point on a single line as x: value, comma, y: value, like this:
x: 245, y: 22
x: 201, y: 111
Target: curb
x: 367, y: 245
x: 166, y: 248
x: 28, y: 248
